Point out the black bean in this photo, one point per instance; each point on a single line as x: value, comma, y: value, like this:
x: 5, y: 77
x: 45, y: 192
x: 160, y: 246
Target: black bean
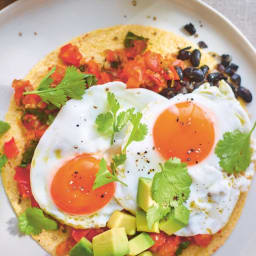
x: 226, y: 59
x: 195, y: 58
x: 168, y: 93
x: 205, y: 69
x: 221, y: 68
x: 234, y: 67
x: 215, y: 77
x: 179, y: 72
x: 229, y: 71
x: 236, y: 79
x: 194, y: 74
x: 202, y: 45
x: 245, y: 94
x: 190, y: 28
x: 184, y: 54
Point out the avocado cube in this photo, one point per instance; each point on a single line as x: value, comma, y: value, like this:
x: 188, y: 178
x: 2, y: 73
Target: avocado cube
x: 140, y: 243
x: 142, y: 224
x: 120, y: 219
x: 144, y: 198
x: 82, y: 248
x: 113, y: 242
x: 147, y: 253
x: 170, y: 225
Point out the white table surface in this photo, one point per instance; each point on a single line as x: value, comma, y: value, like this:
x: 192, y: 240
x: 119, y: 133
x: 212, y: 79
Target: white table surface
x: 241, y: 12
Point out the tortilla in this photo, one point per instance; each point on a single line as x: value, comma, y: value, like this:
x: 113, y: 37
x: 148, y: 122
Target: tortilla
x: 92, y: 45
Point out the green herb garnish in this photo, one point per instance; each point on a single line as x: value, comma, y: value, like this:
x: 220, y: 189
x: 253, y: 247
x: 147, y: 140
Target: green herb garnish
x: 130, y: 37
x: 28, y: 153
x: 170, y: 189
x: 73, y: 86
x: 4, y: 127
x: 3, y: 161
x: 104, y: 176
x: 182, y: 246
x: 234, y: 151
x: 33, y: 221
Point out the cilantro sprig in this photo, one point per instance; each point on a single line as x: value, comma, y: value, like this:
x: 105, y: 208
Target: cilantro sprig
x: 3, y: 161
x: 73, y: 86
x: 170, y: 190
x: 139, y: 130
x: 234, y: 151
x: 110, y: 123
x: 130, y: 37
x: 4, y: 127
x: 33, y: 221
x: 104, y: 176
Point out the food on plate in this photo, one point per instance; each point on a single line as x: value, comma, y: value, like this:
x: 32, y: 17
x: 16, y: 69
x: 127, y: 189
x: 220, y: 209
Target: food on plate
x: 128, y: 141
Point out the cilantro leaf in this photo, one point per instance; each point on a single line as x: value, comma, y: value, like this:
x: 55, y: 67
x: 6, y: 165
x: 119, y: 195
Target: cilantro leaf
x: 130, y: 37
x: 123, y: 118
x: 139, y: 131
x: 117, y: 160
x: 3, y: 161
x: 183, y: 245
x: 234, y: 151
x: 46, y: 81
x: 71, y: 86
x: 28, y: 153
x: 156, y: 213
x: 104, y: 176
x: 33, y: 220
x: 104, y: 123
x: 113, y: 103
x: 170, y: 189
x: 110, y: 123
x: 4, y: 127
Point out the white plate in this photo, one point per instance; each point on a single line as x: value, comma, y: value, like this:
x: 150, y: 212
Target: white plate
x: 58, y: 21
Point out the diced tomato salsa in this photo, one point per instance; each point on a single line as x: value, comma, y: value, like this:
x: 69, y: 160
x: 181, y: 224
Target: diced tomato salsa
x: 10, y: 149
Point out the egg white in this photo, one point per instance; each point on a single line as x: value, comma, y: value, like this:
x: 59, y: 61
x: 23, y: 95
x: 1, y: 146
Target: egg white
x: 213, y: 193
x: 74, y: 132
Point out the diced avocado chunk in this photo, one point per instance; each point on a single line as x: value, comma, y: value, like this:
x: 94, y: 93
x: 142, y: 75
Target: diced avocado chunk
x: 142, y: 225
x: 140, y: 243
x: 144, y: 198
x: 170, y: 225
x: 113, y: 242
x: 82, y: 248
x: 147, y: 253
x: 120, y: 219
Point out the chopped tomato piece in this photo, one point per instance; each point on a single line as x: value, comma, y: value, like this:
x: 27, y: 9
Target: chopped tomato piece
x: 169, y: 247
x: 105, y: 78
x: 22, y: 176
x: 159, y: 240
x: 58, y: 75
x: 34, y: 202
x: 30, y: 122
x: 138, y: 47
x: 64, y: 247
x: 10, y: 149
x: 77, y: 234
x: 158, y: 81
x: 20, y: 86
x: 174, y: 72
x: 70, y: 55
x: 202, y: 240
x: 179, y: 63
x: 153, y: 61
x: 93, y: 68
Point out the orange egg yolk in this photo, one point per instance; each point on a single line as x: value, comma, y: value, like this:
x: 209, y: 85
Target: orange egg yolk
x: 71, y: 188
x: 186, y: 131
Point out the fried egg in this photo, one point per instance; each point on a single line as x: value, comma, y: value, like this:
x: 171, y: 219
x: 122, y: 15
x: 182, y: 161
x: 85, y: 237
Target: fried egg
x: 189, y: 127
x: 71, y: 145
